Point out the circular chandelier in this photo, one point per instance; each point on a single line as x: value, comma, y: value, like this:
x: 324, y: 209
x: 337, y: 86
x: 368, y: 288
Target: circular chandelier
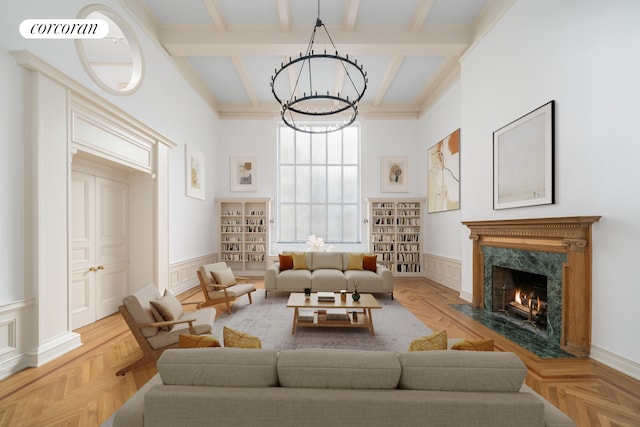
x: 319, y: 85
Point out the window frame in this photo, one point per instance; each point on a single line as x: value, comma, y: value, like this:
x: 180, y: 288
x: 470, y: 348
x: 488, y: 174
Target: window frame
x: 326, y: 203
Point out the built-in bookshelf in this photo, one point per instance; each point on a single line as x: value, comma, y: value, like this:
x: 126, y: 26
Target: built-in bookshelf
x: 243, y: 227
x: 395, y: 227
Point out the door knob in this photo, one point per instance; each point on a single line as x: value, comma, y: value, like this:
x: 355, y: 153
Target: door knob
x: 92, y: 269
x: 101, y: 267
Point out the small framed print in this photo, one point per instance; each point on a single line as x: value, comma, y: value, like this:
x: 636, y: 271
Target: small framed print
x: 393, y: 174
x: 243, y: 174
x: 195, y: 173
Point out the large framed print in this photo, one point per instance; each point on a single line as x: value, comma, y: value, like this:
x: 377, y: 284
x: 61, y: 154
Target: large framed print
x: 444, y: 174
x: 195, y: 176
x: 243, y: 174
x: 523, y: 160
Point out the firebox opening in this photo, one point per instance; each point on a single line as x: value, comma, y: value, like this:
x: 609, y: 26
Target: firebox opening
x: 521, y: 296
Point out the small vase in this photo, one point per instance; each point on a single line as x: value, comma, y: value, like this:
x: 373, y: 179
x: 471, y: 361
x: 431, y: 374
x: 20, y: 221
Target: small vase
x: 355, y: 296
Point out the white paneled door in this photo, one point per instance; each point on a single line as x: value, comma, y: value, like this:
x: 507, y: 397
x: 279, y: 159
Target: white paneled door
x: 100, y: 247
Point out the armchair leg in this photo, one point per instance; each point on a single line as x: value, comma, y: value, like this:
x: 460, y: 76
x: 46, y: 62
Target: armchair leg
x: 249, y: 295
x: 137, y: 364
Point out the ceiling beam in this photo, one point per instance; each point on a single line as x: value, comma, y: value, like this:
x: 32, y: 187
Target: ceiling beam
x: 246, y: 81
x: 351, y: 15
x: 392, y: 70
x: 284, y: 16
x: 216, y: 15
x: 420, y: 15
x: 200, y: 42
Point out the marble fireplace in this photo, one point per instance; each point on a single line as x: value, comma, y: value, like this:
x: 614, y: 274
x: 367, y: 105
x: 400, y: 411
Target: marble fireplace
x: 550, y: 258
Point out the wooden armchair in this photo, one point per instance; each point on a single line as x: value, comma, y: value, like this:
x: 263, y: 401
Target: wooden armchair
x: 153, y: 335
x: 219, y: 285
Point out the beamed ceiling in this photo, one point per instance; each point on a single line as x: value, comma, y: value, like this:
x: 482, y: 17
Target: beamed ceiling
x: 229, y: 49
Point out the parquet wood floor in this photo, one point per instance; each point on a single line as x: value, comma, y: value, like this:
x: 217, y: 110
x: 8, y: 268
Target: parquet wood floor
x: 80, y: 388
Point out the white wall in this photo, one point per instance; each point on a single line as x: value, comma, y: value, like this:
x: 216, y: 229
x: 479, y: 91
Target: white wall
x: 441, y: 120
x: 582, y: 54
x: 34, y: 320
x: 164, y: 102
x: 378, y: 138
x: 11, y: 186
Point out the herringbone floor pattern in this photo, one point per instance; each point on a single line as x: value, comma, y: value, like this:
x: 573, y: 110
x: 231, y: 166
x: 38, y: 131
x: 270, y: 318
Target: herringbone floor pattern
x: 80, y: 388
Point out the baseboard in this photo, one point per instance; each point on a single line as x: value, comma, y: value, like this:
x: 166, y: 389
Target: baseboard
x: 54, y: 348
x: 619, y: 363
x: 183, y: 275
x: 446, y: 271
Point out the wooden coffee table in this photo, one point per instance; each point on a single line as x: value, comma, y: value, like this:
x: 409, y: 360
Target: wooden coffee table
x: 363, y: 307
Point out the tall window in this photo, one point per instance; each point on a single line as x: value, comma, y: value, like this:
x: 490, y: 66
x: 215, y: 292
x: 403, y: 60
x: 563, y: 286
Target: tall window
x: 319, y: 185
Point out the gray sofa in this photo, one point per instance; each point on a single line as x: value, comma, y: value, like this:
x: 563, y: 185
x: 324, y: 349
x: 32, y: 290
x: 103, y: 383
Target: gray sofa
x: 244, y: 387
x: 328, y: 271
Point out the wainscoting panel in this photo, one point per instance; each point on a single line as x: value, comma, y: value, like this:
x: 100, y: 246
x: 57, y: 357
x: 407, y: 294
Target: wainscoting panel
x: 15, y: 341
x: 183, y: 275
x: 446, y: 271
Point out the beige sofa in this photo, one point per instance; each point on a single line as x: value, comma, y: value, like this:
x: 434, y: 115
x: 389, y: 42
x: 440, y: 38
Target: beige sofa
x: 328, y: 271
x: 243, y: 387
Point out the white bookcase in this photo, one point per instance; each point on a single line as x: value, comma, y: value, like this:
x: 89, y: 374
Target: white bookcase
x: 395, y: 234
x: 243, y: 227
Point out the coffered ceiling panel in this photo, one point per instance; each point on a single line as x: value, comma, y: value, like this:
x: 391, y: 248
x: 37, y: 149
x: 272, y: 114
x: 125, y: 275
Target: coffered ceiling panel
x: 229, y: 49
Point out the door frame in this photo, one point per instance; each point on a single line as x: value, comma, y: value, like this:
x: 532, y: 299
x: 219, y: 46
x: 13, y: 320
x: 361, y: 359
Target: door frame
x: 59, y: 114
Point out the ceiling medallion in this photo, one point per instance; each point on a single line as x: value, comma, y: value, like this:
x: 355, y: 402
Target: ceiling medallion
x: 313, y: 91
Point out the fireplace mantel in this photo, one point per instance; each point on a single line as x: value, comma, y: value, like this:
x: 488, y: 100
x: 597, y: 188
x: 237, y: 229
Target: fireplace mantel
x: 569, y: 235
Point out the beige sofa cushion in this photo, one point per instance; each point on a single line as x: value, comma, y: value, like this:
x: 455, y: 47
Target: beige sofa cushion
x: 219, y: 367
x: 450, y: 370
x: 332, y: 260
x: 344, y: 369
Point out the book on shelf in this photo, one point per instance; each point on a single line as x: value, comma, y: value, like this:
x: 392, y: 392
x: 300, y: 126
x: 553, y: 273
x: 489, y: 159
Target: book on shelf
x: 305, y: 315
x: 326, y: 296
x: 333, y: 316
x: 337, y: 314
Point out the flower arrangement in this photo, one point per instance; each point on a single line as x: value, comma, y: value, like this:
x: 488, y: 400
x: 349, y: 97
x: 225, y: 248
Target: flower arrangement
x: 316, y: 244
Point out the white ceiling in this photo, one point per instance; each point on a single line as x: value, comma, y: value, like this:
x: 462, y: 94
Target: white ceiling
x: 229, y: 49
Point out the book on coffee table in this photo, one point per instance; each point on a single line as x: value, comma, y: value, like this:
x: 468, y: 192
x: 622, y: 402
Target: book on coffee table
x: 326, y: 296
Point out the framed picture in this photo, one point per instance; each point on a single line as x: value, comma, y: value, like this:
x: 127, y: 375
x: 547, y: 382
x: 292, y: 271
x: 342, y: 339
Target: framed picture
x: 195, y: 173
x: 243, y: 174
x: 523, y: 160
x: 444, y: 174
x: 393, y: 173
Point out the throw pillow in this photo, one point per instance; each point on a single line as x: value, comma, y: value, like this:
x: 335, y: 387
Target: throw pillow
x: 435, y: 341
x: 473, y: 345
x: 224, y: 277
x: 233, y: 338
x: 166, y: 309
x: 197, y: 341
x: 299, y: 261
x: 286, y: 262
x: 369, y: 262
x: 355, y: 261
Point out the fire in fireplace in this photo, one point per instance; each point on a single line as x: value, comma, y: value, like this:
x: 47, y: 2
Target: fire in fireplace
x: 522, y: 295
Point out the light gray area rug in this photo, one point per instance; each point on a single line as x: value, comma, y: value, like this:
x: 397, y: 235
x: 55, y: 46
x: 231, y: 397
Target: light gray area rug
x: 270, y: 320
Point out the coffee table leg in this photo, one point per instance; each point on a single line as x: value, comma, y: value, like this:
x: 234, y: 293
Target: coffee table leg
x: 295, y: 321
x: 370, y: 320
